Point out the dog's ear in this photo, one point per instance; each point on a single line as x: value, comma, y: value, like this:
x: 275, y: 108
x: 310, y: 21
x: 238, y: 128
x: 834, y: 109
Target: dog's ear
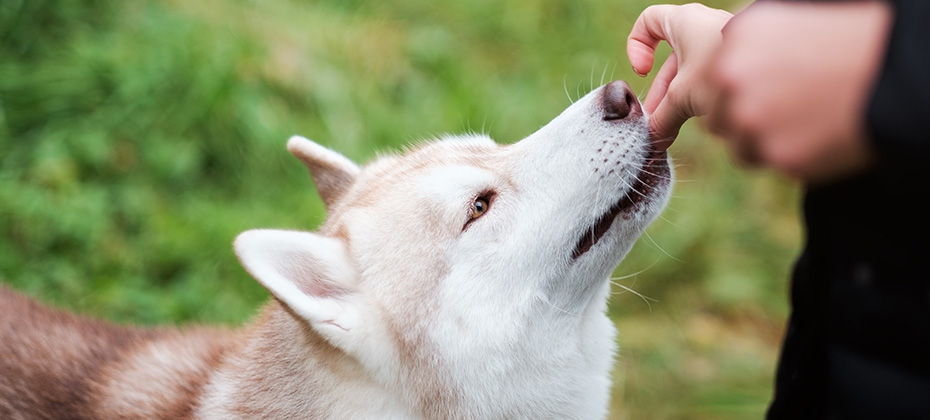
x: 308, y: 273
x: 332, y: 172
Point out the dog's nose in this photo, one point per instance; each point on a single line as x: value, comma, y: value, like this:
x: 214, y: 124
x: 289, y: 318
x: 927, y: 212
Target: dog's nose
x: 619, y: 101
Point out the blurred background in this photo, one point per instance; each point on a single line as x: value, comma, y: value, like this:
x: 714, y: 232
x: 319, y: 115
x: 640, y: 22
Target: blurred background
x: 137, y: 138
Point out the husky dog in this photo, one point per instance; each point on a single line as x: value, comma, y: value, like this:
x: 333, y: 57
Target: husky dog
x: 460, y: 280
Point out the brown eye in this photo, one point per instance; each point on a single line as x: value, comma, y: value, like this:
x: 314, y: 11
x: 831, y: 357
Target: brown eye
x: 479, y: 208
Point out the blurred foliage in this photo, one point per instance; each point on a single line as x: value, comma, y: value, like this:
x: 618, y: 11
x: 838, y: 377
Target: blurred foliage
x: 137, y: 138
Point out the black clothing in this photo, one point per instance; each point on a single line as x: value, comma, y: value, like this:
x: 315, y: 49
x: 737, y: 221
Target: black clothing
x: 858, y: 340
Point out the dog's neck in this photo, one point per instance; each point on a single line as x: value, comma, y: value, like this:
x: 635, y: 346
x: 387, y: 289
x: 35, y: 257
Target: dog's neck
x: 544, y: 363
x: 284, y: 369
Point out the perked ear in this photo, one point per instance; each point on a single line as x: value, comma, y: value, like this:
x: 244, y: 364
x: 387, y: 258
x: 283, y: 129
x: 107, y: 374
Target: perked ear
x: 331, y: 171
x: 309, y: 273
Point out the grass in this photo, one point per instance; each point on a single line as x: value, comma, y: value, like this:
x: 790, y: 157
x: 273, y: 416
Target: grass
x: 138, y: 138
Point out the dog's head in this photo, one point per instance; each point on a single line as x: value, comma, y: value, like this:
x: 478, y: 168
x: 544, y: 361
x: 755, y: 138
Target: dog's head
x: 463, y: 273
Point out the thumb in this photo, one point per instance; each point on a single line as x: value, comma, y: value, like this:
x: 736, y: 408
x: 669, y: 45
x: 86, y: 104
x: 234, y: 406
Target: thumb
x: 666, y: 122
x: 660, y: 85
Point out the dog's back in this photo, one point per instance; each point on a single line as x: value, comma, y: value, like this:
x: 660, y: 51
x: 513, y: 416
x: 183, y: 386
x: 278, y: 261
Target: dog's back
x: 61, y: 366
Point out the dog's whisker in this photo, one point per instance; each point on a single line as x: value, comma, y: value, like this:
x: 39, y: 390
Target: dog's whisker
x: 626, y: 276
x: 648, y: 236
x: 686, y: 180
x: 591, y: 79
x: 658, y: 176
x: 641, y: 296
x: 642, y: 94
x: 565, y: 88
x: 603, y: 73
x: 667, y: 220
x: 630, y: 186
x: 548, y: 303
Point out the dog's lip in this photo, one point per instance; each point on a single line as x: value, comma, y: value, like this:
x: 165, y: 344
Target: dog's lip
x: 654, y: 171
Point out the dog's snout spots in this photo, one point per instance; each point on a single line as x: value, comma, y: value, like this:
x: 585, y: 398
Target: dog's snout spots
x: 619, y: 101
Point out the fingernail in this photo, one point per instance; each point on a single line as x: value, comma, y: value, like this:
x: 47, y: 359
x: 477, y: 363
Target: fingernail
x: 638, y: 73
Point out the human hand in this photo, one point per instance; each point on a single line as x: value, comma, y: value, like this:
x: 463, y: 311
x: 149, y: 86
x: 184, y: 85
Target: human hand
x: 794, y: 82
x: 679, y: 90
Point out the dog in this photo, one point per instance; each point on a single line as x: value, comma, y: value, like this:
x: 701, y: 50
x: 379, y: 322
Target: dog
x: 461, y: 279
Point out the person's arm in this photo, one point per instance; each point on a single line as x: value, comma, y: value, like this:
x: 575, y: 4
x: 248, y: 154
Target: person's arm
x: 796, y: 79
x: 787, y: 88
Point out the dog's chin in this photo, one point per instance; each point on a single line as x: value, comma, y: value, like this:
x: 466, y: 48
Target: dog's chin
x: 651, y: 183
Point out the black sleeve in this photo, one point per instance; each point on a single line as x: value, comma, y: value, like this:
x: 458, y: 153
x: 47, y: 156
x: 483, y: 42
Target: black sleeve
x: 899, y: 111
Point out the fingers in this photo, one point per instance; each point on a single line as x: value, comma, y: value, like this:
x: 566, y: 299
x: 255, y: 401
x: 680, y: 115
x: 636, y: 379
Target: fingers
x: 662, y: 134
x: 645, y: 36
x: 665, y: 123
x: 660, y: 85
x: 647, y: 33
x: 679, y: 90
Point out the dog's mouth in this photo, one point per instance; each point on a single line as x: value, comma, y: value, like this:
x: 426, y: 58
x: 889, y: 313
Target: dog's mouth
x: 654, y: 172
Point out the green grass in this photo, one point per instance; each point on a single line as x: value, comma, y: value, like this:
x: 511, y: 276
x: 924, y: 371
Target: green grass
x: 138, y: 138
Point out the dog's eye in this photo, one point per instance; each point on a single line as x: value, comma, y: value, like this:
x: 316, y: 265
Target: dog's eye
x: 479, y: 207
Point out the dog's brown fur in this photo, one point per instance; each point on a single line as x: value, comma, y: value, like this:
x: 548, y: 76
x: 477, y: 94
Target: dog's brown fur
x: 57, y: 365
x: 61, y: 366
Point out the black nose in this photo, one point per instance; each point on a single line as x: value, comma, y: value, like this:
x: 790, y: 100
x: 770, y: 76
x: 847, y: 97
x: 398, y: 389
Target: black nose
x: 619, y: 101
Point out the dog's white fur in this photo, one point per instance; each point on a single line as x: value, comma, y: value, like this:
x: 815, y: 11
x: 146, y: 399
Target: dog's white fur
x: 408, y: 303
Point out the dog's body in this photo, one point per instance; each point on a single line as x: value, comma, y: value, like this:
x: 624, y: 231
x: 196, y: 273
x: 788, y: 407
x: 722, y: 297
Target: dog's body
x: 462, y: 280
